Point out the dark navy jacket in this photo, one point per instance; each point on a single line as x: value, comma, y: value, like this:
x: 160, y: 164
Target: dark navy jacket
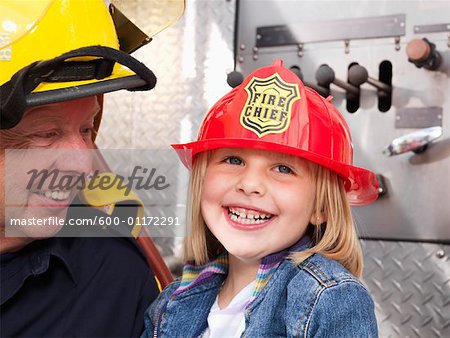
x: 75, y: 287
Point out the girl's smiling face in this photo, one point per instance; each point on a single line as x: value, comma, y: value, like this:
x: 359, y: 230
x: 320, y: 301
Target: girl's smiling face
x: 257, y: 202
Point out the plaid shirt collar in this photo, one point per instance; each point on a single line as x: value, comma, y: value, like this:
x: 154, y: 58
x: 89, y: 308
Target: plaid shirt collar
x: 194, y: 275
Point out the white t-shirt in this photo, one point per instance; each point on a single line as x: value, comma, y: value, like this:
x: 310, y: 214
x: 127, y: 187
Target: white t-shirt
x: 229, y: 322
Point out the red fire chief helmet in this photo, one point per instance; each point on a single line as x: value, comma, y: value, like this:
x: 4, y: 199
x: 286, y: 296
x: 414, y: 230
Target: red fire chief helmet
x: 272, y: 110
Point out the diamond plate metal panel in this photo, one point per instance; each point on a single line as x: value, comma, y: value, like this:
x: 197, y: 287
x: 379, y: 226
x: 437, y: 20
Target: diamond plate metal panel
x: 410, y: 283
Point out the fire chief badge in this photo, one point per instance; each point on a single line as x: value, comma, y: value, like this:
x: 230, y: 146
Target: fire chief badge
x: 268, y: 108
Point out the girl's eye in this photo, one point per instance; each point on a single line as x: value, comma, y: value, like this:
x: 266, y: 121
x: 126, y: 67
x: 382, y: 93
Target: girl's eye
x: 233, y: 160
x: 284, y: 169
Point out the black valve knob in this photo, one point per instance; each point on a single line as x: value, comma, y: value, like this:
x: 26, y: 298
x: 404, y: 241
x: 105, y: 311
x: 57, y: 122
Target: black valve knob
x: 325, y: 92
x: 325, y: 76
x: 234, y: 79
x: 297, y: 71
x: 357, y: 75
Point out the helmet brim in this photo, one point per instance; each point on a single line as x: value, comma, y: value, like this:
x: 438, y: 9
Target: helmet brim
x: 57, y: 80
x: 47, y: 92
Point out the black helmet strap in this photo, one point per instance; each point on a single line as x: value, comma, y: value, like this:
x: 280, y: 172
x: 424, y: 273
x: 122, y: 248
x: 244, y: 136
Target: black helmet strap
x: 15, y: 94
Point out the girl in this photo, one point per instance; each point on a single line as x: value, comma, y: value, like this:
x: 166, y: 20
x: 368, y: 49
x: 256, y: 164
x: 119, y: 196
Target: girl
x: 273, y: 250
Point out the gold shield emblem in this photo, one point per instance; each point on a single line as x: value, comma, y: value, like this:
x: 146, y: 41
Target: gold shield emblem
x: 268, y: 108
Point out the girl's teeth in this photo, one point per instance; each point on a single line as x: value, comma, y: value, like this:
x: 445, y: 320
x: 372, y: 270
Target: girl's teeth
x: 243, y: 218
x: 247, y: 219
x: 48, y: 194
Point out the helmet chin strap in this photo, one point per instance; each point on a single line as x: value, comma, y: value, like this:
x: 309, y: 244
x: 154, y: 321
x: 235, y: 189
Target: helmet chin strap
x: 16, y: 95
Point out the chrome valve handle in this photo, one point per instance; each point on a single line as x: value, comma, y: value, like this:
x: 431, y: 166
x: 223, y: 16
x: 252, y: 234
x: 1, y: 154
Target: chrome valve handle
x: 416, y: 141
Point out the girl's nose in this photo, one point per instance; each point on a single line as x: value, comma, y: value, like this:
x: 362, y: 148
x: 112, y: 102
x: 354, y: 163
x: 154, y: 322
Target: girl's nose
x: 251, y: 182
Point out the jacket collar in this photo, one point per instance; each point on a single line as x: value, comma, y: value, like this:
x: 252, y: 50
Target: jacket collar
x: 270, y: 263
x: 33, y: 260
x: 195, y: 275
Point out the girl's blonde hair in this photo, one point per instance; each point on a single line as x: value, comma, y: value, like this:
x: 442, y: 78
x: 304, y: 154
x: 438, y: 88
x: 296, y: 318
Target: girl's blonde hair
x: 335, y: 238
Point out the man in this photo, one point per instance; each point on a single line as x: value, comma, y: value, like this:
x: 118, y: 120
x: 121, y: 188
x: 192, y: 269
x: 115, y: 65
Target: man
x: 55, y: 65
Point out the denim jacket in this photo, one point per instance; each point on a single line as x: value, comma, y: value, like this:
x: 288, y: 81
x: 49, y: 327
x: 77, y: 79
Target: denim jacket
x: 318, y: 298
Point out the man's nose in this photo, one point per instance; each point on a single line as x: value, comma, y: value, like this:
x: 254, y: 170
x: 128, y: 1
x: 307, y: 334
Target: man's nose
x: 75, y: 154
x: 251, y: 181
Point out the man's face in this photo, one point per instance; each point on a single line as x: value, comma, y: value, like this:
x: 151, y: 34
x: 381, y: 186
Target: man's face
x: 51, y: 137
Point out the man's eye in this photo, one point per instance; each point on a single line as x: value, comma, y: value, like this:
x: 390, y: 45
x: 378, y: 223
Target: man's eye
x: 233, y: 160
x: 284, y: 169
x: 87, y: 131
x: 49, y: 134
